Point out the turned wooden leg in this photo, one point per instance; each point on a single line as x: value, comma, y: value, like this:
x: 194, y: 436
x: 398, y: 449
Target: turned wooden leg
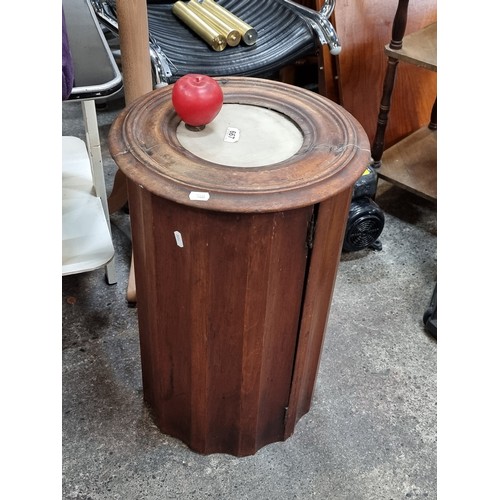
x: 383, y: 115
x: 398, y: 31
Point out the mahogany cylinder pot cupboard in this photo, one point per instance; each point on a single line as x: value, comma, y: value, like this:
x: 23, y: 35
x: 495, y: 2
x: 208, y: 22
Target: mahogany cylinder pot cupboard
x: 237, y: 233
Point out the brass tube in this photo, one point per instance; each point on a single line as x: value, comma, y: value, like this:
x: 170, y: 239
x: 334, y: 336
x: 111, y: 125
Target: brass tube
x: 233, y: 36
x: 248, y: 34
x: 212, y: 37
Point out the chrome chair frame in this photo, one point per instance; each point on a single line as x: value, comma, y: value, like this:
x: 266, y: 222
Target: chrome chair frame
x: 163, y: 68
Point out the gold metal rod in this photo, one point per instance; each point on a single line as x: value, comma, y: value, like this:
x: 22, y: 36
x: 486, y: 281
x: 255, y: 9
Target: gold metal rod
x: 211, y: 36
x: 233, y: 36
x: 248, y: 34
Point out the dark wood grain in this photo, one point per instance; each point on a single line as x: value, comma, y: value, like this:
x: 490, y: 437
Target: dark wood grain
x: 218, y: 320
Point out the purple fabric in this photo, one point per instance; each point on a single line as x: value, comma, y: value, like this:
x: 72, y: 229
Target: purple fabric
x: 68, y: 72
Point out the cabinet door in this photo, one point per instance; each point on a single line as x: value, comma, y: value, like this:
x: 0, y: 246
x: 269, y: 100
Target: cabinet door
x: 219, y: 326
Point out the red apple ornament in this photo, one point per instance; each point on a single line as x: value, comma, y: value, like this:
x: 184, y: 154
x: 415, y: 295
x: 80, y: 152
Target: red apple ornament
x: 197, y: 99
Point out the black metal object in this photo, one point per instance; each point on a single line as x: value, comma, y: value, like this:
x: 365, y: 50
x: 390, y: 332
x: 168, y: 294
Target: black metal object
x: 366, y: 220
x: 430, y: 315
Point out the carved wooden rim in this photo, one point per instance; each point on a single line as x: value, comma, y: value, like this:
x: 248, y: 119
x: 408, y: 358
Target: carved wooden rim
x: 335, y: 151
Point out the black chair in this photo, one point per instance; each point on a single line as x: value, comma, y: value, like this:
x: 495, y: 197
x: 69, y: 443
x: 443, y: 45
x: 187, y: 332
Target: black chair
x: 287, y: 31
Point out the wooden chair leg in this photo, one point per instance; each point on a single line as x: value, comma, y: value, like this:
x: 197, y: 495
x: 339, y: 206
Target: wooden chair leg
x: 328, y: 81
x: 287, y: 74
x: 118, y: 197
x: 131, y: 290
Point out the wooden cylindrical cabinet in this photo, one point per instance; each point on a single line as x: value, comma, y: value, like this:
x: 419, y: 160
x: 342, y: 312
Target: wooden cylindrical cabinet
x: 237, y: 232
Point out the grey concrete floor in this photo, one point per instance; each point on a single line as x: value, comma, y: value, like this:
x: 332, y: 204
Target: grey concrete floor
x: 371, y: 430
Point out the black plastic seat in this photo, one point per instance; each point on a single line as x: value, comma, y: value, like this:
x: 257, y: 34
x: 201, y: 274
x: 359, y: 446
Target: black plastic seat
x: 286, y: 32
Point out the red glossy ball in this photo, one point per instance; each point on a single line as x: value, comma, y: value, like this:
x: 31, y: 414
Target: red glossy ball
x: 197, y: 99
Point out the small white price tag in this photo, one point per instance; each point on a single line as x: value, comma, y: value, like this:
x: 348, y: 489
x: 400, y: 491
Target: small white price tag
x: 232, y: 135
x: 199, y: 196
x: 178, y: 239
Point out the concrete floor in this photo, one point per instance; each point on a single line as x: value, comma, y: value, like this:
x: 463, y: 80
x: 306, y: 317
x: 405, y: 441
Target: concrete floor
x: 371, y: 430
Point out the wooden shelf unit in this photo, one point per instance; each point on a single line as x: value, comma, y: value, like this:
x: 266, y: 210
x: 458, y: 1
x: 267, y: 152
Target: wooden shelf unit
x: 418, y: 48
x: 412, y: 162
